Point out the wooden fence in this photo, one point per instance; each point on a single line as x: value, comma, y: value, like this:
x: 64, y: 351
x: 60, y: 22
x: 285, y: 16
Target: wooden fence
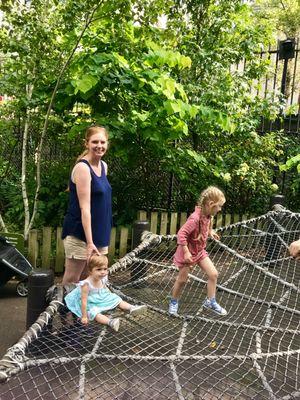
x: 45, y: 247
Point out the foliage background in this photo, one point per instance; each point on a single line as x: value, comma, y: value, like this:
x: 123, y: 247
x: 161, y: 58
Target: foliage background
x: 179, y: 117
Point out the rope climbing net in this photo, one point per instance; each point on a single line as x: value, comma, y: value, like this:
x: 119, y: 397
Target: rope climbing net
x: 252, y: 353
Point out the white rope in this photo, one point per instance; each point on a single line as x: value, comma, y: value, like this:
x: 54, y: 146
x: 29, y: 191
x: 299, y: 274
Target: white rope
x: 176, y: 381
x: 255, y: 349
x: 264, y: 380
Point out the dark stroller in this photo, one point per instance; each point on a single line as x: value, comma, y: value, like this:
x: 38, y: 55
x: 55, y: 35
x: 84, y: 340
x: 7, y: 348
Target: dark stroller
x: 13, y: 263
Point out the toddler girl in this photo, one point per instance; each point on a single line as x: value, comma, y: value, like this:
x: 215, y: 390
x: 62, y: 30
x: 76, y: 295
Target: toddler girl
x: 92, y: 297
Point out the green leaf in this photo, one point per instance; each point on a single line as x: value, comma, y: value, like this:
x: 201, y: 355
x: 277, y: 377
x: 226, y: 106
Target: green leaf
x: 141, y: 116
x: 86, y: 83
x: 199, y: 158
x: 172, y: 107
x: 101, y: 58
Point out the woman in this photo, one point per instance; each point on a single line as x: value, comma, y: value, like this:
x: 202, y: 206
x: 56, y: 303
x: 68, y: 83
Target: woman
x: 87, y: 224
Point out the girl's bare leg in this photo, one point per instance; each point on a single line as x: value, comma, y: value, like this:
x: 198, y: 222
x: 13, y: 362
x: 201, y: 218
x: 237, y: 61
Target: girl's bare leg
x: 180, y: 282
x: 134, y: 310
x: 102, y: 319
x: 73, y: 270
x: 124, y: 306
x: 113, y: 323
x: 212, y: 276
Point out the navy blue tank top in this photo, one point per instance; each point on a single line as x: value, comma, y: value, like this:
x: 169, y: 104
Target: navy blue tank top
x: 101, y: 210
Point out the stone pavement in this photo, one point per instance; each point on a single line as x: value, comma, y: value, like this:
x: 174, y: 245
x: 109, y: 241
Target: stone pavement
x: 12, y: 316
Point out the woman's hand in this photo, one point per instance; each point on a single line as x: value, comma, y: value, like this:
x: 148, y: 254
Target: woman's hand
x: 214, y: 235
x: 90, y: 249
x: 294, y: 249
x: 84, y: 320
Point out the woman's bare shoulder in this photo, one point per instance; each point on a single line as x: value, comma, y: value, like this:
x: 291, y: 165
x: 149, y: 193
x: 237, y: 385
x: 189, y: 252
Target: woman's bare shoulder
x: 105, y: 166
x: 80, y: 169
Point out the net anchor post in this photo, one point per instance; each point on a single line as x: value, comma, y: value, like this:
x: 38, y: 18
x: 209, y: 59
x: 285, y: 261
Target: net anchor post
x: 39, y: 281
x: 138, y: 272
x: 277, y: 202
x: 273, y: 244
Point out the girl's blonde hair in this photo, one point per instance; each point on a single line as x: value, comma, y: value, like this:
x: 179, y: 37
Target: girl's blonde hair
x: 97, y: 261
x: 211, y: 193
x: 89, y: 133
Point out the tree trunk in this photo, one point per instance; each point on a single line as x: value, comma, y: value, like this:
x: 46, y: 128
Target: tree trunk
x: 88, y: 21
x: 29, y: 90
x: 2, y: 224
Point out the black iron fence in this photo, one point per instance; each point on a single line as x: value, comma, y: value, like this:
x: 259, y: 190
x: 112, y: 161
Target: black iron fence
x: 283, y: 78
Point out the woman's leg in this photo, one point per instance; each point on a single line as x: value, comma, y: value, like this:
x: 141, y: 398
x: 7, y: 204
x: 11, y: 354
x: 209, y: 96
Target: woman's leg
x: 180, y: 282
x: 73, y: 270
x: 212, y: 276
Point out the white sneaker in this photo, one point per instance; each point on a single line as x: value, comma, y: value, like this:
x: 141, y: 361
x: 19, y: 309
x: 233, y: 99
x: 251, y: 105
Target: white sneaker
x: 136, y: 310
x: 114, y: 323
x: 211, y: 304
x: 173, y: 307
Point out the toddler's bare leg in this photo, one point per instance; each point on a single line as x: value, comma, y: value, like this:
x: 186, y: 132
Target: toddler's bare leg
x: 102, y: 319
x: 124, y: 305
x: 113, y: 323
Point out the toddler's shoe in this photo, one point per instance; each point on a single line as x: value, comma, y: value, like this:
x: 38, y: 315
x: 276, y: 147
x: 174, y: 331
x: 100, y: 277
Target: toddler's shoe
x: 136, y: 310
x: 173, y: 307
x: 114, y: 324
x: 211, y: 304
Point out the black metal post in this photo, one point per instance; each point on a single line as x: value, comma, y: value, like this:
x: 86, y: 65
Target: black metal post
x: 39, y: 282
x: 286, y: 51
x: 272, y: 242
x: 277, y: 199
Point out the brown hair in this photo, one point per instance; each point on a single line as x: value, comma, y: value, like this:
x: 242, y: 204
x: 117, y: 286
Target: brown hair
x: 97, y: 261
x: 89, y: 133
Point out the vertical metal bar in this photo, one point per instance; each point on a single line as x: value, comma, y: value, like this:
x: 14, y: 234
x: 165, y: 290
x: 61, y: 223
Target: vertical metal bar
x: 283, y: 79
x: 293, y: 89
x: 275, y: 78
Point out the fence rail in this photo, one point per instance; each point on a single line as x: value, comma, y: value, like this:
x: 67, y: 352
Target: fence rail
x: 45, y: 248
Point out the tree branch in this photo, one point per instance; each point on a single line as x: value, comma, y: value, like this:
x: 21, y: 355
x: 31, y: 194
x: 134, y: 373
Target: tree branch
x: 88, y: 21
x: 2, y: 224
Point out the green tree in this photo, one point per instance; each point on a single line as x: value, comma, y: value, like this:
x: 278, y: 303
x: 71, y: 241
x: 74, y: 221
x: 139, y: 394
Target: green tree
x: 282, y: 14
x: 224, y: 40
x: 60, y: 53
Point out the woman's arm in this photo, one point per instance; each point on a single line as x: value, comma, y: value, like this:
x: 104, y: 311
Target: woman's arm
x: 82, y: 179
x: 84, y: 297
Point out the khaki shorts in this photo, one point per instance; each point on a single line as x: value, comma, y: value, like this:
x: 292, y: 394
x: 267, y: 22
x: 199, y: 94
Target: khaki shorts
x: 76, y: 248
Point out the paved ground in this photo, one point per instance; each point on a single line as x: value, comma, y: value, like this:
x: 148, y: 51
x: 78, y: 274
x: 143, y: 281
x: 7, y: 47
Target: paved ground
x: 12, y: 316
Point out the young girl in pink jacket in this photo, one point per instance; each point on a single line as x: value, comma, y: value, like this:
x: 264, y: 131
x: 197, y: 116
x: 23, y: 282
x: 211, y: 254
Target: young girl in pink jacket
x: 191, y: 243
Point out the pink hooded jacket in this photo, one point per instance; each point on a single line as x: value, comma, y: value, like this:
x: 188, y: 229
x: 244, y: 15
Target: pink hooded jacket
x: 188, y: 235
